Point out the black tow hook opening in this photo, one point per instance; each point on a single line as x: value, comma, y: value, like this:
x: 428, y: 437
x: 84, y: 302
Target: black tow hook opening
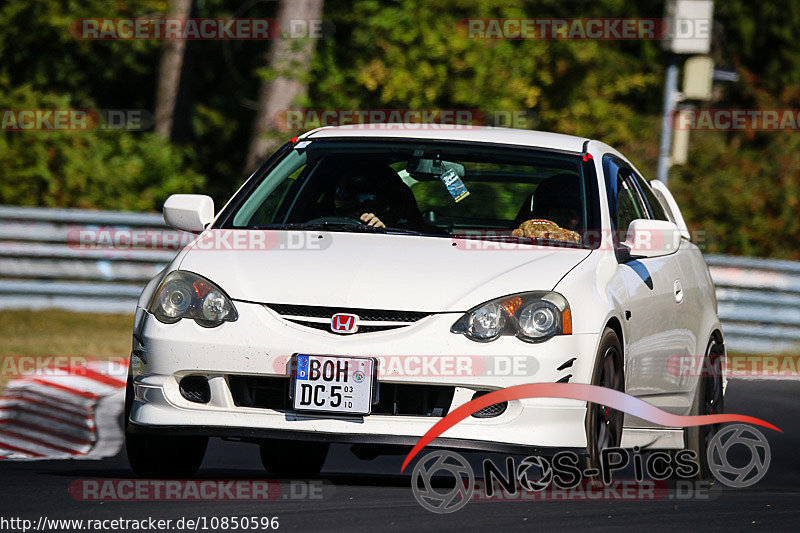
x: 195, y: 389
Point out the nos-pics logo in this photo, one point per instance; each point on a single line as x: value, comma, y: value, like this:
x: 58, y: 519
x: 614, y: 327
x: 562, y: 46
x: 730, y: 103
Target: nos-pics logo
x: 443, y: 481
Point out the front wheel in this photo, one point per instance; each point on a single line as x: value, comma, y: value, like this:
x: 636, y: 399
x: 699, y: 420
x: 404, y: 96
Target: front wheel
x: 157, y: 456
x: 604, y: 424
x: 708, y: 400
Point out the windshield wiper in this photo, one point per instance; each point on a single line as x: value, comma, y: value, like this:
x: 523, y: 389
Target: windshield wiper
x: 338, y: 226
x: 403, y: 231
x: 315, y: 226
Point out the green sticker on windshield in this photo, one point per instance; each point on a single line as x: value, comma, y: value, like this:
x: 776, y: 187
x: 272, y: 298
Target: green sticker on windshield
x: 454, y: 185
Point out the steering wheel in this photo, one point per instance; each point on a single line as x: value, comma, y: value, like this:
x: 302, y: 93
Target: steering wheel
x: 335, y: 220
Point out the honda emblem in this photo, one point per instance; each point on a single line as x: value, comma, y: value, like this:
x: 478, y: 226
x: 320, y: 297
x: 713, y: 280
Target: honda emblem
x: 344, y: 323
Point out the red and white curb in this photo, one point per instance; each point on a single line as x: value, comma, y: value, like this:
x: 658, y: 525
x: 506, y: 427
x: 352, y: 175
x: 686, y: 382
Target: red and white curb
x: 71, y: 413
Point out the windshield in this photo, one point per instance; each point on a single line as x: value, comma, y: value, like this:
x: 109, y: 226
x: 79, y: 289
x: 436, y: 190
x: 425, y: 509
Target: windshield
x: 420, y: 187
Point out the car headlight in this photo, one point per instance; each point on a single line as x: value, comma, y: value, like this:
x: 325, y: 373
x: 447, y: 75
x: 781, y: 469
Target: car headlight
x: 187, y: 295
x: 530, y: 316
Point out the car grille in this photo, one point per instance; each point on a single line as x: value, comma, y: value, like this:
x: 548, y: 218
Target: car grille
x: 326, y: 326
x: 369, y: 320
x: 265, y: 392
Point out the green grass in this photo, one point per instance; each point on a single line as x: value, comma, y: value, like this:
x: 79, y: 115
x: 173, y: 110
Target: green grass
x: 42, y: 334
x: 55, y: 332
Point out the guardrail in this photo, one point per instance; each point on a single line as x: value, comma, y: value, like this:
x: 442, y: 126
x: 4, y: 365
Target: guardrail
x: 98, y: 261
x: 759, y: 303
x: 95, y: 261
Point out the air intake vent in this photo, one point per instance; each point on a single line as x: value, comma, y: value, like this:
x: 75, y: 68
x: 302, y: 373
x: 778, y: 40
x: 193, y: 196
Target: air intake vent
x: 490, y: 411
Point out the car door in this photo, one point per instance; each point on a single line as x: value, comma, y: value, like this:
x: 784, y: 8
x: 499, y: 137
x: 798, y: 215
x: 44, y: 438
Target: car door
x: 689, y: 294
x: 648, y: 288
x: 699, y: 296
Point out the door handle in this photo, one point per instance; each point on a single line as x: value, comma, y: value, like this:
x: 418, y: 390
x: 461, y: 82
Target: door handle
x: 678, y: 291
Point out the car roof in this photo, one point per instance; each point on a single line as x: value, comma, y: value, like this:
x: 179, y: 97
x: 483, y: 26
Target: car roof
x: 487, y: 134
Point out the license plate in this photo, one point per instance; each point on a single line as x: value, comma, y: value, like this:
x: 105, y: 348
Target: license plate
x: 333, y: 384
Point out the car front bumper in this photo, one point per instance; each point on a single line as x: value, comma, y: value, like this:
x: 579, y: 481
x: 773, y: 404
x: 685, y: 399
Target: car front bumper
x: 260, y: 343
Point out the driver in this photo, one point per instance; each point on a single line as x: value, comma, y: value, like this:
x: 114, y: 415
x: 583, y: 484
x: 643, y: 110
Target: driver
x: 364, y: 198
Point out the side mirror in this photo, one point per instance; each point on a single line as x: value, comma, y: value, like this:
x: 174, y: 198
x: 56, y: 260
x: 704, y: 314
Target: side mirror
x: 652, y: 238
x: 189, y: 212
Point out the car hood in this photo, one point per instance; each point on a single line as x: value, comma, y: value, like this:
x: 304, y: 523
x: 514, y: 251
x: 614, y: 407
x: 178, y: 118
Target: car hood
x: 373, y: 271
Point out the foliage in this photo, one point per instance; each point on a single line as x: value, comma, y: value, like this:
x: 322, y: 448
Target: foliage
x: 416, y: 55
x: 741, y: 189
x: 101, y: 169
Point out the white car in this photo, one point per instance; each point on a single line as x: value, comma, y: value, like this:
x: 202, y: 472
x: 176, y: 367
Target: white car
x: 367, y: 280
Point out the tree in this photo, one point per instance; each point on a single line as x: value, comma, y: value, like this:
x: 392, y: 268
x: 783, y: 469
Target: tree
x: 169, y: 73
x: 285, y: 83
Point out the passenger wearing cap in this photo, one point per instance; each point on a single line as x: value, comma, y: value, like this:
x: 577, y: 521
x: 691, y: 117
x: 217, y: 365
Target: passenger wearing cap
x: 553, y: 211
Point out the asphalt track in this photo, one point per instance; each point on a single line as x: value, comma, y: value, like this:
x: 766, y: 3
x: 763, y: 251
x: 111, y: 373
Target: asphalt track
x: 374, y: 496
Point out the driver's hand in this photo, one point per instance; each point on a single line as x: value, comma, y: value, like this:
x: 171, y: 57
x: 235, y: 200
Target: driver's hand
x: 371, y: 220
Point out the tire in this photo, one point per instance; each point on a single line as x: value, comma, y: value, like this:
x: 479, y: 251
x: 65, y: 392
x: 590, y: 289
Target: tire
x: 286, y: 458
x: 157, y: 456
x: 708, y: 399
x: 604, y: 425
